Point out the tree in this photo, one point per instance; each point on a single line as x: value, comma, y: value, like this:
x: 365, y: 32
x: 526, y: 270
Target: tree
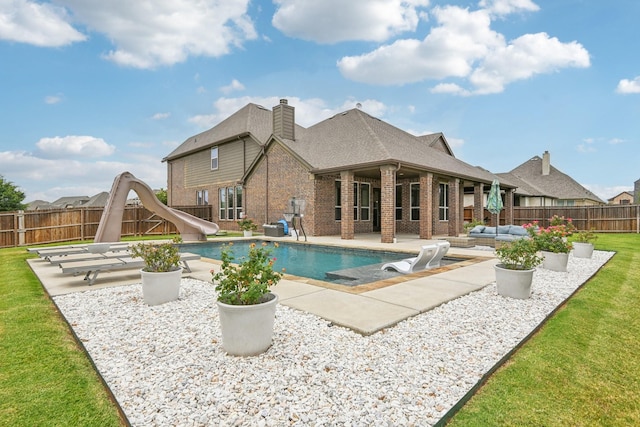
x: 162, y: 195
x: 10, y: 197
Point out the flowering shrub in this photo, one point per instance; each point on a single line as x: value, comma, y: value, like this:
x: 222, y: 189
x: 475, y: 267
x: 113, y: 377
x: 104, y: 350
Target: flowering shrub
x: 563, y: 224
x: 158, y: 257
x: 521, y: 254
x: 552, y: 238
x: 249, y: 281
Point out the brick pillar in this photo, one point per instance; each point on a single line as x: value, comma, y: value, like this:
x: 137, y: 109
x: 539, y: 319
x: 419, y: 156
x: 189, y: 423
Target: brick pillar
x: 347, y: 225
x: 508, y: 206
x: 478, y: 201
x: 387, y: 203
x: 454, y: 207
x: 426, y: 206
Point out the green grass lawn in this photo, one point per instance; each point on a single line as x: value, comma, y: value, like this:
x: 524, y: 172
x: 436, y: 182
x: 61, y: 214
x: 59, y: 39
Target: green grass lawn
x: 45, y: 378
x: 583, y: 367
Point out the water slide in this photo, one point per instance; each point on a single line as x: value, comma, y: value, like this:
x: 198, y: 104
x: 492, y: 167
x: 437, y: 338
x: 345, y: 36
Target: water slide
x: 109, y: 230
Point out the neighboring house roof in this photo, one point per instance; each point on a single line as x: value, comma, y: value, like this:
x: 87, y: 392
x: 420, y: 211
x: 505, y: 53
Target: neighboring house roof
x: 630, y: 193
x: 555, y: 184
x: 38, y: 205
x: 354, y: 139
x: 70, y: 201
x: 98, y: 200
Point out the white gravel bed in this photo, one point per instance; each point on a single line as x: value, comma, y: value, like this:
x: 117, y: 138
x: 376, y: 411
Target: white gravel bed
x: 166, y: 366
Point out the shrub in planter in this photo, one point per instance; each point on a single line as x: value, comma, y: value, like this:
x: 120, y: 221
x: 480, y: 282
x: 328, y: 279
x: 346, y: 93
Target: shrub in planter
x: 514, y: 274
x: 245, y: 304
x: 161, y: 273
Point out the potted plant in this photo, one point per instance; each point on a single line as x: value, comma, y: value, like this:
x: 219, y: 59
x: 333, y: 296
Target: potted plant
x: 247, y: 226
x: 161, y: 273
x: 552, y: 242
x: 583, y: 243
x: 514, y: 274
x: 245, y: 304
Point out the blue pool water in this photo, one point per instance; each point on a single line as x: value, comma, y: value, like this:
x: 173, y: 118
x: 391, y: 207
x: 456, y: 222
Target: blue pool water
x: 310, y: 261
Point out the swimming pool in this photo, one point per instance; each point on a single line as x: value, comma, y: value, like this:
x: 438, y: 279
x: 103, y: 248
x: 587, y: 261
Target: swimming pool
x: 346, y: 266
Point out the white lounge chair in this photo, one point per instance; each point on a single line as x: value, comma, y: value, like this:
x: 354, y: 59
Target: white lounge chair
x: 430, y: 256
x: 93, y: 267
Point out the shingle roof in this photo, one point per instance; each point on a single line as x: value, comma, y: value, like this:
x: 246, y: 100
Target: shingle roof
x: 251, y: 118
x: 556, y: 184
x: 355, y: 139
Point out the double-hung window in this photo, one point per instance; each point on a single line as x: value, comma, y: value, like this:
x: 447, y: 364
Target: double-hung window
x: 230, y: 202
x: 443, y: 202
x: 415, y: 201
x: 214, y: 158
x: 202, y: 197
x: 365, y: 200
x: 398, y: 202
x: 338, y: 201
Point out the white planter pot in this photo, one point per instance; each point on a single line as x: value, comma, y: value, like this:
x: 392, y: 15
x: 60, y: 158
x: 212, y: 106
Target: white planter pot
x: 247, y: 330
x: 582, y: 250
x: 513, y: 283
x: 247, y: 233
x: 158, y: 288
x: 555, y: 261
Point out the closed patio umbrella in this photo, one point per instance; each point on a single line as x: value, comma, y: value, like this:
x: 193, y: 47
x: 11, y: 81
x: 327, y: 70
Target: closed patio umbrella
x: 494, y: 201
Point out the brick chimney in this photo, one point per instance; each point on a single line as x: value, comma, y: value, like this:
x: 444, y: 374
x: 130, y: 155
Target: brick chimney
x: 546, y: 163
x: 284, y: 120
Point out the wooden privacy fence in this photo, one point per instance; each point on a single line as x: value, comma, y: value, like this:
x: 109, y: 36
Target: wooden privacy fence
x: 603, y: 219
x: 62, y: 225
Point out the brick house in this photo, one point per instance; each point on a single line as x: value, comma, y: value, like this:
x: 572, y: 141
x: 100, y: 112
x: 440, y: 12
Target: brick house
x: 355, y: 173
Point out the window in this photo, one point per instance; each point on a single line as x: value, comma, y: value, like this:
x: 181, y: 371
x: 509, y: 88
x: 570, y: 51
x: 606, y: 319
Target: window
x: 214, y: 158
x: 223, y: 203
x: 399, y: 202
x: 415, y: 201
x: 202, y: 197
x: 365, y: 197
x: 230, y: 203
x: 355, y: 201
x: 239, y: 204
x: 443, y: 202
x: 338, y: 205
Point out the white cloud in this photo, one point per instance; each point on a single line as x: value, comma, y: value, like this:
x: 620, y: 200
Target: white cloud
x: 615, y: 141
x: 39, y: 24
x: 165, y: 32
x: 161, y: 116
x: 235, y: 85
x: 333, y: 21
x: 74, y: 146
x: 626, y: 86
x: 462, y: 45
x: 586, y: 148
x: 308, y: 111
x: 505, y: 7
x: 52, y: 99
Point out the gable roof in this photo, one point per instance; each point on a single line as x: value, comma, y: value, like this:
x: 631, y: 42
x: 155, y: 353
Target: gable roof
x: 251, y: 120
x: 555, y: 185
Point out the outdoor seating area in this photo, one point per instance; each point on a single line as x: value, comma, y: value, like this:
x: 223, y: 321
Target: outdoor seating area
x: 85, y: 259
x: 489, y: 236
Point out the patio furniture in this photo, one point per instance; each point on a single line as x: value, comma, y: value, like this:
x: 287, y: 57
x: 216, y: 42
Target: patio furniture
x: 92, y: 268
x: 429, y: 257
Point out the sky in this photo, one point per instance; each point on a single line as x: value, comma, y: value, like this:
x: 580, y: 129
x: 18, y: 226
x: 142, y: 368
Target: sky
x: 92, y: 88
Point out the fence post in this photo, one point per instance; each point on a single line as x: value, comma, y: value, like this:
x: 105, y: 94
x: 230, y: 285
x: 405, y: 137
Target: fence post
x: 21, y: 230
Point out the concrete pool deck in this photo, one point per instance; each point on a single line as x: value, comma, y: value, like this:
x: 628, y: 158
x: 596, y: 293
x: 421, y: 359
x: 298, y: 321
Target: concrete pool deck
x: 365, y: 308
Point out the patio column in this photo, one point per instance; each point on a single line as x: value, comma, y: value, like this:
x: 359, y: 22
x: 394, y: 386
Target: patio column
x: 426, y: 206
x: 478, y: 201
x: 454, y: 207
x: 508, y: 206
x: 387, y: 203
x: 347, y: 224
